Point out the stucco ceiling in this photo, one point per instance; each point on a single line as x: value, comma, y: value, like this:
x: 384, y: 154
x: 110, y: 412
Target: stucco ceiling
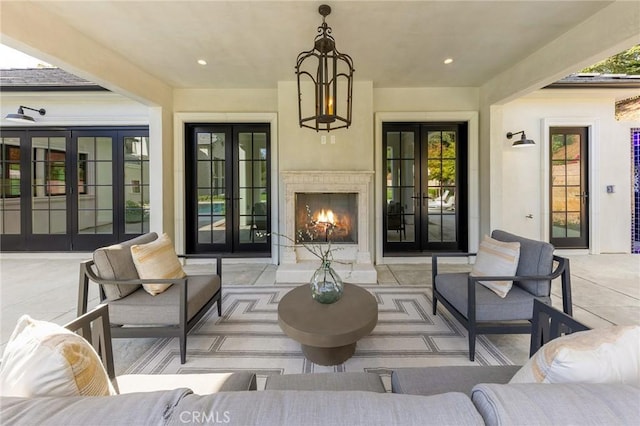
x: 255, y: 44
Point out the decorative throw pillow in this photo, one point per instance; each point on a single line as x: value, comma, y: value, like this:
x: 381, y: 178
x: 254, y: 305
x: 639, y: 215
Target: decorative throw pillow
x: 602, y: 355
x: 45, y: 359
x: 496, y: 258
x: 157, y: 259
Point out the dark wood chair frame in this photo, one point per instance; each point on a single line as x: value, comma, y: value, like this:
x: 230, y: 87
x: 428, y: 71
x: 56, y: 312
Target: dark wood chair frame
x: 548, y: 324
x: 179, y: 330
x: 474, y: 327
x: 94, y: 327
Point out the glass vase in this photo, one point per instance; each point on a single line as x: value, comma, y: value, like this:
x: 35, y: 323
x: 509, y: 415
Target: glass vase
x: 326, y: 285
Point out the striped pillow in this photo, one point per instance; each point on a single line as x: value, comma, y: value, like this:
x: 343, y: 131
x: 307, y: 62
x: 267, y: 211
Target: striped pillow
x: 157, y: 259
x: 496, y: 258
x: 45, y: 359
x: 601, y: 355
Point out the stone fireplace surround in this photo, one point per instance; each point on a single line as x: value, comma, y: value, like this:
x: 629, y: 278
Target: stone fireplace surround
x: 297, y: 264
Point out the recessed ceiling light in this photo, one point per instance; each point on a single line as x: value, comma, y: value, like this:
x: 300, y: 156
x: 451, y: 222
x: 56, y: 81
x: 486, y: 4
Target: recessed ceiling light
x: 448, y: 61
x: 202, y: 62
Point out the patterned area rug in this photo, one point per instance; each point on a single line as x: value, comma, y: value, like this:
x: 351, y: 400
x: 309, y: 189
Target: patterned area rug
x: 248, y: 338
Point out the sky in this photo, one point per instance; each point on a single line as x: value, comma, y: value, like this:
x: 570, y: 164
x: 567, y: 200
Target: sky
x: 11, y: 58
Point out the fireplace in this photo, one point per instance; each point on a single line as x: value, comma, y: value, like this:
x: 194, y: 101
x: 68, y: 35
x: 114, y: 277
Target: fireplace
x: 326, y: 216
x: 349, y: 196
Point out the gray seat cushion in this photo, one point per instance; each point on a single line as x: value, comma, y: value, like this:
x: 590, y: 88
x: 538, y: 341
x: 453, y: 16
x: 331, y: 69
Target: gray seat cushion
x: 517, y: 305
x: 435, y: 380
x: 115, y: 263
x: 557, y: 404
x: 296, y: 408
x: 140, y: 308
x: 536, y: 258
x: 370, y: 382
x: 146, y: 408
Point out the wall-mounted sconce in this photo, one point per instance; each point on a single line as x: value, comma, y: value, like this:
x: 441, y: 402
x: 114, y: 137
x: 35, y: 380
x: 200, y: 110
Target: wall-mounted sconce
x: 21, y: 117
x: 522, y: 142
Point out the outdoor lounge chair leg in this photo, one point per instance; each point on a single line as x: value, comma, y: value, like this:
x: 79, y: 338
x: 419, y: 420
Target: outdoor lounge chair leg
x: 435, y: 304
x: 183, y: 349
x: 472, y: 345
x: 219, y: 307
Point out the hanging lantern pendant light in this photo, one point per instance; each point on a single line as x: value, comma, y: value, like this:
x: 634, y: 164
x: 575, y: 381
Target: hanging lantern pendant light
x: 332, y: 69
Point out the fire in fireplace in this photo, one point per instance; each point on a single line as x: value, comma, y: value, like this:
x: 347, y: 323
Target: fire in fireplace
x: 323, y: 217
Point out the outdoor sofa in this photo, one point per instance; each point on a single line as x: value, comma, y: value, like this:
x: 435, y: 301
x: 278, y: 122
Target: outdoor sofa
x: 441, y: 395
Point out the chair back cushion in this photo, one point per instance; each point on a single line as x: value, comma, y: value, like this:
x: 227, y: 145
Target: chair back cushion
x: 536, y: 258
x: 116, y: 263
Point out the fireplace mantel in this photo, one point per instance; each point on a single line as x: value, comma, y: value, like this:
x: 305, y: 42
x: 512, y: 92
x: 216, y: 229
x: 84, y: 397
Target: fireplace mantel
x: 296, y: 265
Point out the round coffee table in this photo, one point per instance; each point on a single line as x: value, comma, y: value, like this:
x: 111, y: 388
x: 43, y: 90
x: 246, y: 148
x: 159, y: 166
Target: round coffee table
x: 328, y: 333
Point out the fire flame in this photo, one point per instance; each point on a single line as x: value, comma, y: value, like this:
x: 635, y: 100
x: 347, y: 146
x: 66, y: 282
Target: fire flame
x: 326, y: 217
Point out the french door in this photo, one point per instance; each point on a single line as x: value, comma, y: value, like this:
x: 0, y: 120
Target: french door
x: 72, y: 189
x: 228, y: 204
x: 569, y: 192
x: 425, y: 208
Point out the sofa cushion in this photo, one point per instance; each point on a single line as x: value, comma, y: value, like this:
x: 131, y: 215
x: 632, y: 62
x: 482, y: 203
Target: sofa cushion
x: 45, y: 359
x: 559, y: 404
x: 148, y: 408
x: 517, y: 305
x: 140, y: 308
x: 346, y: 381
x: 115, y: 263
x: 436, y: 380
x: 496, y: 258
x: 283, y: 408
x: 157, y: 259
x: 601, y: 355
x: 536, y: 258
x: 199, y: 383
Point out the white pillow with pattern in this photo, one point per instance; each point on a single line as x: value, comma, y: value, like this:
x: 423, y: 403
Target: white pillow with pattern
x: 602, y: 355
x: 45, y: 359
x: 157, y: 259
x: 496, y: 258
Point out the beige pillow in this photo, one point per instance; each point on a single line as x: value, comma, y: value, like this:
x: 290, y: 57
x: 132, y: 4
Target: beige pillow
x: 45, y: 359
x: 157, y: 259
x: 602, y: 355
x: 496, y: 258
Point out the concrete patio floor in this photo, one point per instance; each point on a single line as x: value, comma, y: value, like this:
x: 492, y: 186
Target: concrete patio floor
x: 606, y: 290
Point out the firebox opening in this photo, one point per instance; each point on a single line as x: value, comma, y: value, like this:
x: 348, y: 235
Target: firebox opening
x: 323, y: 217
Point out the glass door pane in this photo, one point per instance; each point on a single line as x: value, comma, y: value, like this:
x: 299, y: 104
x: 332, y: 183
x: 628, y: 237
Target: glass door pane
x: 252, y: 188
x: 95, y: 185
x: 211, y: 189
x: 10, y: 172
x: 441, y: 183
x: 400, y: 187
x: 49, y: 193
x: 136, y: 184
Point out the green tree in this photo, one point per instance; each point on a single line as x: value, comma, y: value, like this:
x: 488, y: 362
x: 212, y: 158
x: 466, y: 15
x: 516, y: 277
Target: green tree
x: 627, y: 62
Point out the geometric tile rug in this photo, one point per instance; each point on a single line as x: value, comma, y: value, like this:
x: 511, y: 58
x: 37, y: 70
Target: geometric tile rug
x: 247, y: 338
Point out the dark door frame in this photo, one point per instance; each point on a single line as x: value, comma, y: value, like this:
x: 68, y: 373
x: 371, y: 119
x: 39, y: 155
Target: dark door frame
x: 71, y: 240
x: 582, y: 242
x: 421, y: 245
x: 232, y: 245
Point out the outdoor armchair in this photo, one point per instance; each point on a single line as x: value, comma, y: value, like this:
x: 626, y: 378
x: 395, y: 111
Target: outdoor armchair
x: 481, y: 311
x: 136, y: 313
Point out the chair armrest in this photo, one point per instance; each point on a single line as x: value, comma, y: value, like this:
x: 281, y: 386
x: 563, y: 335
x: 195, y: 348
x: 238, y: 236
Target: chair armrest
x: 94, y: 327
x: 549, y: 323
x: 95, y: 278
x: 434, y: 262
x: 206, y: 256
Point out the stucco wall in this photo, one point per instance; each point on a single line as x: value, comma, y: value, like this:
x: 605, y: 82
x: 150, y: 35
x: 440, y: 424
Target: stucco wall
x: 524, y: 190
